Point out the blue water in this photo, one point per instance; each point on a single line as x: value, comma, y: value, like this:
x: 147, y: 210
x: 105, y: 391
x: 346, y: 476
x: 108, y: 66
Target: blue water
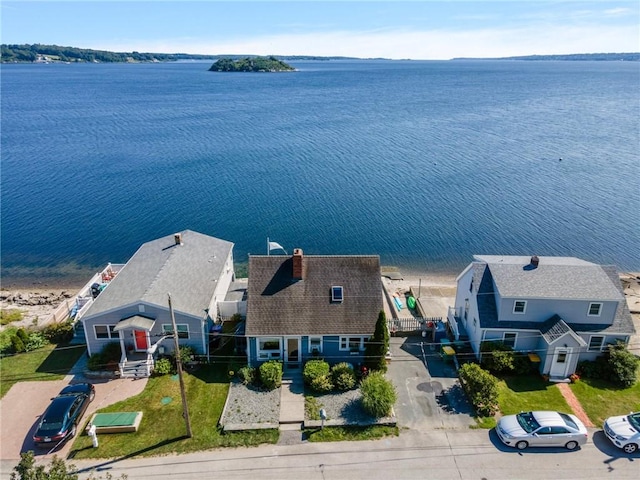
x: 423, y: 163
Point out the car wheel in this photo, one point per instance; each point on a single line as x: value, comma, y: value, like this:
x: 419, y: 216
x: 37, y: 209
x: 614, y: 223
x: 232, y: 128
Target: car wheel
x: 521, y: 445
x: 571, y: 445
x: 630, y: 448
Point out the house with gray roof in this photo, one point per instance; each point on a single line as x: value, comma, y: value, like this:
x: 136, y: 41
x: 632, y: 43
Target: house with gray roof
x: 560, y: 310
x: 311, y: 306
x: 133, y: 309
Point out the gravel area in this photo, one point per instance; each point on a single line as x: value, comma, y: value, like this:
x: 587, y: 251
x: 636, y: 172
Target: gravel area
x: 344, y: 407
x: 247, y: 405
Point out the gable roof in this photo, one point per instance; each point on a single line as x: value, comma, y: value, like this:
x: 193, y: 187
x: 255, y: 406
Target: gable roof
x: 554, y: 277
x: 555, y: 328
x: 189, y: 271
x: 279, y: 305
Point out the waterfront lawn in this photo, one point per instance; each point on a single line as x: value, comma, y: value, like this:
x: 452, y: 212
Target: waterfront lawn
x: 163, y: 430
x: 600, y: 399
x: 47, y: 363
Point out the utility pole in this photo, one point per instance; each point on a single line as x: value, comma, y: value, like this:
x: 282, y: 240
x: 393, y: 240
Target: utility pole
x: 185, y: 408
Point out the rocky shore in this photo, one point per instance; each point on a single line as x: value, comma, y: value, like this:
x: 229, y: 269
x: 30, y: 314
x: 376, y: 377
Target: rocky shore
x: 36, y: 305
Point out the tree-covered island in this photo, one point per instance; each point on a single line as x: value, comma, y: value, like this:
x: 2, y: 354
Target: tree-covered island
x: 251, y: 64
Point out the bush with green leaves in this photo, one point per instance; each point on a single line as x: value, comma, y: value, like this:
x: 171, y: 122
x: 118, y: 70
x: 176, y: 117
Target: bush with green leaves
x: 314, y: 369
x: 163, y: 366
x: 623, y: 365
x: 22, y: 335
x: 343, y: 376
x: 271, y: 374
x: 247, y: 375
x: 106, y: 359
x: 596, y: 369
x: 481, y: 388
x: 17, y: 344
x: 378, y: 395
x: 186, y: 354
x: 35, y: 341
x: 377, y: 346
x: 497, y: 357
x: 58, y: 332
x: 322, y: 384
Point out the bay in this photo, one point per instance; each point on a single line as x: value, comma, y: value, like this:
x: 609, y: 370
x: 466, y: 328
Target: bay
x: 424, y: 163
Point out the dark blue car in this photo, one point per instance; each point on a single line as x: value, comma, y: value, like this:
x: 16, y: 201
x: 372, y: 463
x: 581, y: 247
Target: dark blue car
x: 59, y: 422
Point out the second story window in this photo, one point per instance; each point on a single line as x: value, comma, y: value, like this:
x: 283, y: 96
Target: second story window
x: 519, y: 306
x: 594, y: 309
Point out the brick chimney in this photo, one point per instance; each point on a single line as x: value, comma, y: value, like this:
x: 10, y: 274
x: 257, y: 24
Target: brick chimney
x: 297, y: 264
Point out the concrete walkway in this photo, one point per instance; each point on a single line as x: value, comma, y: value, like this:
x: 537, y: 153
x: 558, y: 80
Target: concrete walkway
x: 574, y: 403
x: 292, y: 399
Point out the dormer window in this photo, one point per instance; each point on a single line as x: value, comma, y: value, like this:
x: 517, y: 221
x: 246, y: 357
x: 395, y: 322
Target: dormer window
x: 337, y: 294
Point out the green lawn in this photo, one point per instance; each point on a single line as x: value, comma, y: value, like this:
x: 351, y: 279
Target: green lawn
x: 529, y: 392
x: 600, y: 399
x: 347, y: 434
x: 47, y: 363
x: 163, y: 429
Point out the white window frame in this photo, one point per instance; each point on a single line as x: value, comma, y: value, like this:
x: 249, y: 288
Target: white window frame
x: 268, y: 354
x: 110, y: 333
x: 167, y: 329
x: 345, y: 343
x: 589, y: 314
x: 334, y: 297
x: 317, y: 338
x: 515, y: 339
x: 515, y: 307
x: 590, y: 348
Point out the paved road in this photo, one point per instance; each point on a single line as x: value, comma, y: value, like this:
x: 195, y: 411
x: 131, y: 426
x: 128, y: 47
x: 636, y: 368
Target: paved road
x: 440, y: 454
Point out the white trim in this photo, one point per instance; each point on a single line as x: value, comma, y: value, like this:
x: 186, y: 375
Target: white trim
x: 524, y: 307
x: 589, y: 314
x: 309, y: 350
x: 345, y: 341
x: 110, y: 333
x: 599, y: 349
x: 337, y: 298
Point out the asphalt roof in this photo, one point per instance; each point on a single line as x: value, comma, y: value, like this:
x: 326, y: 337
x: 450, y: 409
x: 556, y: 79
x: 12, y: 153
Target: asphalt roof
x: 188, y: 271
x: 279, y: 305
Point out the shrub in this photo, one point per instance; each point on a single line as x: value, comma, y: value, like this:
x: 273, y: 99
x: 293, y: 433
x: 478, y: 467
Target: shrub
x: 322, y: 384
x: 35, y: 340
x: 378, y: 345
x: 247, y: 375
x: 497, y: 357
x: 481, y: 387
x: 17, y: 344
x: 314, y: 369
x: 596, y: 369
x: 623, y: 365
x: 106, y: 359
x: 185, y: 354
x: 522, y: 365
x: 343, y: 376
x: 163, y: 367
x: 271, y: 374
x: 58, y: 332
x: 22, y: 335
x: 378, y: 395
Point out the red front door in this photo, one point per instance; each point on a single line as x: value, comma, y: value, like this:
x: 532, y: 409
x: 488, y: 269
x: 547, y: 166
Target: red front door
x: 141, y: 339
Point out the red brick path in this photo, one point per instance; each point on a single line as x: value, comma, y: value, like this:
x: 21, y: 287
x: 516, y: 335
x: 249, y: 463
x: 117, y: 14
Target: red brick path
x: 574, y: 403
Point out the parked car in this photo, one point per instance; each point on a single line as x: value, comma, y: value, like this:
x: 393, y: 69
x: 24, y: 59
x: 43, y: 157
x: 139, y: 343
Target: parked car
x: 60, y: 420
x: 542, y: 429
x: 624, y: 431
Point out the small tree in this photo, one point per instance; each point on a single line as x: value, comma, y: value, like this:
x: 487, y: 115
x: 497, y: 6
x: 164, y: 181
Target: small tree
x: 481, y: 387
x: 58, y: 470
x: 378, y: 395
x: 378, y: 345
x: 497, y: 357
x: 271, y: 374
x: 623, y: 365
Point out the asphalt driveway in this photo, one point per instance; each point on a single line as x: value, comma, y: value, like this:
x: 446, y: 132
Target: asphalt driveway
x: 21, y: 407
x: 429, y: 393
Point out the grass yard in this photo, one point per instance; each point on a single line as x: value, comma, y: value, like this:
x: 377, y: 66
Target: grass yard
x: 48, y: 363
x: 10, y: 315
x: 348, y: 434
x: 529, y: 392
x: 163, y: 429
x: 600, y: 399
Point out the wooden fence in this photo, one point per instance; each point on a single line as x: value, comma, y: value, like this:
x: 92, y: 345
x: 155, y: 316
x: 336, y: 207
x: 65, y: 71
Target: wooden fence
x: 411, y: 324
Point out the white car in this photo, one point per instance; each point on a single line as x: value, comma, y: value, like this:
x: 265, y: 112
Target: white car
x: 542, y: 429
x: 624, y: 431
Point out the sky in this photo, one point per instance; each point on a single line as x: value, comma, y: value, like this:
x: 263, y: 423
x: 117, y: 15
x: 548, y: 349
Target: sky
x: 419, y: 30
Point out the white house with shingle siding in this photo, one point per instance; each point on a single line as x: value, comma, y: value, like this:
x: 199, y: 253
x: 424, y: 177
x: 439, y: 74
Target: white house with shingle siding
x: 563, y: 309
x: 196, y: 269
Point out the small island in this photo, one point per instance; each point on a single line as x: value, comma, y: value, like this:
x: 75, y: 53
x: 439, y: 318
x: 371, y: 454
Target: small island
x: 251, y: 64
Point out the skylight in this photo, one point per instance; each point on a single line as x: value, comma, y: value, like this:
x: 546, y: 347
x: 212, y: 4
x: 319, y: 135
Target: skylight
x: 336, y: 294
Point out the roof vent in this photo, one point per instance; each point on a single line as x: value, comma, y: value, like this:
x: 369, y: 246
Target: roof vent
x: 178, y: 238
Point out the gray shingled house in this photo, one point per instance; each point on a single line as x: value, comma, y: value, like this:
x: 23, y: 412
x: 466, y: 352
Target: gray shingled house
x: 561, y: 310
x: 196, y: 269
x: 311, y: 306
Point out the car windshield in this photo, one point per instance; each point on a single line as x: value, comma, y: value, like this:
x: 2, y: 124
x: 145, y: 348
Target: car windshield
x: 569, y: 421
x: 527, y: 422
x: 634, y: 421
